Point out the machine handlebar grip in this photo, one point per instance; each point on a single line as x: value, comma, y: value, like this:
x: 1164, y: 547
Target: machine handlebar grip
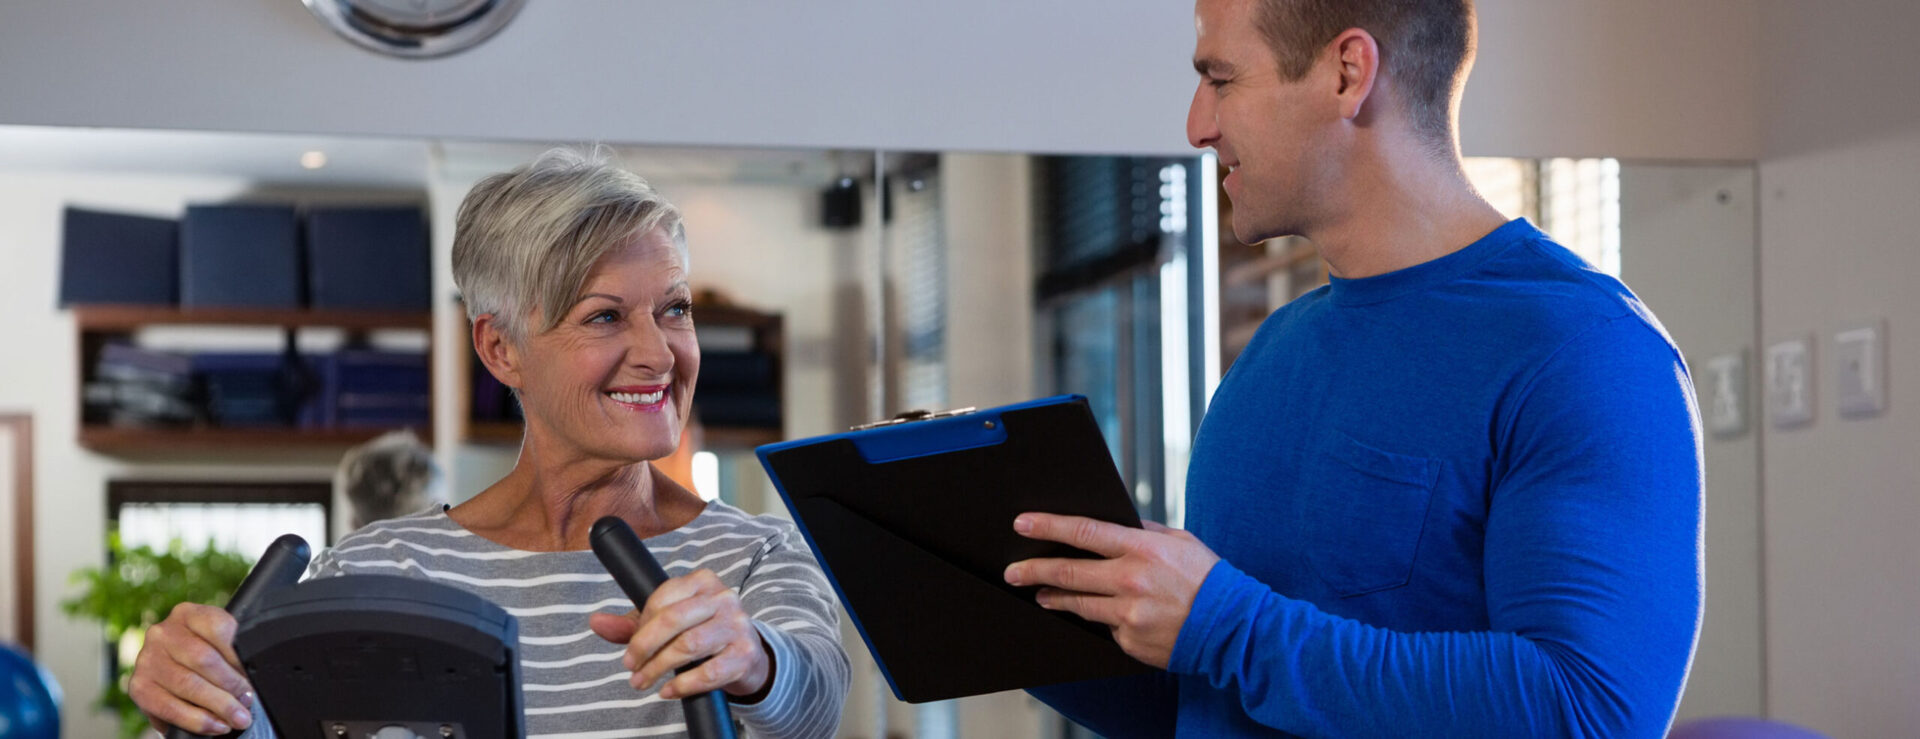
x: 638, y: 574
x: 282, y: 564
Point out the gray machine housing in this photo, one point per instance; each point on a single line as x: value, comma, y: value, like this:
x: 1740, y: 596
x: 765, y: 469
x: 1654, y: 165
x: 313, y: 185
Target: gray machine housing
x: 382, y: 655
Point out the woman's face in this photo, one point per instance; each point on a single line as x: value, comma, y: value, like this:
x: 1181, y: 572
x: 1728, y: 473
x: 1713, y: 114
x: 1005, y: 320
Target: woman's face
x: 614, y: 379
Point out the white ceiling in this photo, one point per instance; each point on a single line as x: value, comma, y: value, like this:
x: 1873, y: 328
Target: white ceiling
x: 274, y: 159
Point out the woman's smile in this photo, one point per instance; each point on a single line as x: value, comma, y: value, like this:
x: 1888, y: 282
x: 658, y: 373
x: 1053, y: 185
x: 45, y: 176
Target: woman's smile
x: 645, y: 398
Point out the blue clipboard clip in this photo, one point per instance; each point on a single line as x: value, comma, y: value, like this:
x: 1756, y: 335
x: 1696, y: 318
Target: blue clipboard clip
x: 916, y: 415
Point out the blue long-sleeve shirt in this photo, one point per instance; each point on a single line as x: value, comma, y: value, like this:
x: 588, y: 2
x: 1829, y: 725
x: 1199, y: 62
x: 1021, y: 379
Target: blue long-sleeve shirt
x: 1463, y: 498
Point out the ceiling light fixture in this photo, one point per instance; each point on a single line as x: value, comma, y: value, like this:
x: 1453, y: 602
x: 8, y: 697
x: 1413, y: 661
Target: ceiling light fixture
x: 415, y: 29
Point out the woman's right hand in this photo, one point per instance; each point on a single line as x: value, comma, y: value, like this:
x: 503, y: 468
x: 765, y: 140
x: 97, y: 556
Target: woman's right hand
x: 188, y: 676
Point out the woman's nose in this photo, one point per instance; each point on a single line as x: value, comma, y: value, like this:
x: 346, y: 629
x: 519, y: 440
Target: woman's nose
x: 648, y: 348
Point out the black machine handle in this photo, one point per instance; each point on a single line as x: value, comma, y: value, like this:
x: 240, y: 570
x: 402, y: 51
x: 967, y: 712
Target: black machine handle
x: 281, y: 566
x: 638, y: 574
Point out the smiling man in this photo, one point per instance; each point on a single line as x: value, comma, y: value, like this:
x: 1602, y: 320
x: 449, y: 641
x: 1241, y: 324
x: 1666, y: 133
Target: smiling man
x: 1455, y: 492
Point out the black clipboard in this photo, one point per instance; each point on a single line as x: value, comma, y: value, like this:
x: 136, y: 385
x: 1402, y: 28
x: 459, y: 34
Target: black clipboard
x: 913, y: 522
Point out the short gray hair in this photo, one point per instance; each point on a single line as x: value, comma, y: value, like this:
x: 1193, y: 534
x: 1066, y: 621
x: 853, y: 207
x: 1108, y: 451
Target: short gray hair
x: 525, y: 240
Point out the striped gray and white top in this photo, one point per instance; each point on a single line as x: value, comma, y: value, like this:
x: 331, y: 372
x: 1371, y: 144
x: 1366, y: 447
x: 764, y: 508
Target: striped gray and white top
x: 572, y: 682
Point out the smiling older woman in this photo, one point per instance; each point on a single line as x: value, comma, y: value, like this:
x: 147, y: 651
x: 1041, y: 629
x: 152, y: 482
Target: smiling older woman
x: 575, y: 276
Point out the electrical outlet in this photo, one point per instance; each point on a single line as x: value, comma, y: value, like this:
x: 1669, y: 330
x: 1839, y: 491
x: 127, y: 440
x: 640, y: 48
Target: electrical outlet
x: 1859, y: 370
x: 1725, y: 397
x: 1790, y: 383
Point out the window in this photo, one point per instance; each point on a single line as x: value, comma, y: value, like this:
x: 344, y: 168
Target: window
x: 1577, y: 201
x: 233, y: 516
x: 242, y: 517
x: 1116, y: 261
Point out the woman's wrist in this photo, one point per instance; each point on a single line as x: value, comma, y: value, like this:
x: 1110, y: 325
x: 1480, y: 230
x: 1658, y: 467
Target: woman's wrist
x: 765, y: 679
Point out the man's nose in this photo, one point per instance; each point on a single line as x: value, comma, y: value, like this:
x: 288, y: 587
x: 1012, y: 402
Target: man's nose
x: 1202, y: 125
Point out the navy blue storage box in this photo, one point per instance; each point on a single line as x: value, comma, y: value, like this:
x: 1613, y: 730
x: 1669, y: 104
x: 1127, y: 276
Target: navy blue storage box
x: 367, y: 258
x: 735, y: 408
x: 240, y: 256
x: 116, y: 258
x: 256, y: 389
x: 365, y: 388
x: 738, y: 370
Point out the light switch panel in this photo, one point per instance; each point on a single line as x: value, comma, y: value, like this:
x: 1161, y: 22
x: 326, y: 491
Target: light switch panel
x: 1724, y: 399
x: 1860, y: 370
x: 1790, y: 383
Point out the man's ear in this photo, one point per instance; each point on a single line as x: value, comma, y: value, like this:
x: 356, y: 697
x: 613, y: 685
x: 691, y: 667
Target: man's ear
x: 1356, y: 55
x: 496, y: 350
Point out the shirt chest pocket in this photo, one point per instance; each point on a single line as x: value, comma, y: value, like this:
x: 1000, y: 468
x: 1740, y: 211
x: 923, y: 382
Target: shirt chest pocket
x: 1366, y: 516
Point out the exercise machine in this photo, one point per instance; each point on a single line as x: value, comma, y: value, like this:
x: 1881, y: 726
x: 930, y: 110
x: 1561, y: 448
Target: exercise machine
x: 389, y: 657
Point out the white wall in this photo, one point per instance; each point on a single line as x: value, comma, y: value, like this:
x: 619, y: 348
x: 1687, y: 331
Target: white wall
x: 1631, y: 79
x: 1091, y: 76
x: 1688, y: 249
x: 38, y: 354
x: 1840, y: 179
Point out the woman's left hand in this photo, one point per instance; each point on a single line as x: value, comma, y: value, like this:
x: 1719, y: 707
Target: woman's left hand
x: 688, y: 618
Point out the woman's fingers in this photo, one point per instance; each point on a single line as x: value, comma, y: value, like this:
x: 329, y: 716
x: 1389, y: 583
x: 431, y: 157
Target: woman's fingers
x: 177, y: 695
x: 677, y: 589
x: 187, y: 674
x: 703, y: 640
x: 214, y: 626
x: 679, y: 604
x: 735, y: 660
x: 691, y: 618
x: 205, y: 660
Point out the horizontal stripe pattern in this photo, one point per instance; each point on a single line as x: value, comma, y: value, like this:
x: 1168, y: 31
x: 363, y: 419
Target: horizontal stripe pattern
x: 572, y: 682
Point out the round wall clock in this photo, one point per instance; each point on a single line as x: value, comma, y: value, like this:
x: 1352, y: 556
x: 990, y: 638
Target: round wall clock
x: 415, y: 29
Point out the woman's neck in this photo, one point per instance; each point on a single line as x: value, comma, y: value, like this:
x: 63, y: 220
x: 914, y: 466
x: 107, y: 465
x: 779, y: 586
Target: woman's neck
x: 550, y: 504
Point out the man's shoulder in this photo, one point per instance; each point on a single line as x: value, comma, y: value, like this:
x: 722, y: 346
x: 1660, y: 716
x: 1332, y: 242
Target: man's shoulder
x: 1545, y: 294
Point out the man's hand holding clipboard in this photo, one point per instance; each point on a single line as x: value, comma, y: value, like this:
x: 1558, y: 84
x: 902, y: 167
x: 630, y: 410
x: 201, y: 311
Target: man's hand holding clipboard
x: 914, y: 523
x: 1142, y: 589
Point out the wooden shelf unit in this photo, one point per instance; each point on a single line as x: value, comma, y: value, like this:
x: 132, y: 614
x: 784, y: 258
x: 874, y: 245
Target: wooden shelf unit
x: 99, y: 324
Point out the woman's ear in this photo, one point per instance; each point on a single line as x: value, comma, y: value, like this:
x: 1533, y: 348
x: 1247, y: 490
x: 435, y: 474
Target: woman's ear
x: 496, y: 350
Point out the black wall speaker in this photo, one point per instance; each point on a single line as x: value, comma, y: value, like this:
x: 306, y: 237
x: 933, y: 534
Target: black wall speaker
x: 840, y: 204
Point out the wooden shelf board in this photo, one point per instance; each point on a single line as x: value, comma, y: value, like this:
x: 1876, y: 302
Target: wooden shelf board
x: 130, y: 317
x: 493, y: 432
x: 732, y: 437
x: 121, y: 439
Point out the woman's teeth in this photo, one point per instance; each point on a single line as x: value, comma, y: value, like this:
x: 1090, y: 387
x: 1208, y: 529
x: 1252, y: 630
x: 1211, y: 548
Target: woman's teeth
x: 639, y: 398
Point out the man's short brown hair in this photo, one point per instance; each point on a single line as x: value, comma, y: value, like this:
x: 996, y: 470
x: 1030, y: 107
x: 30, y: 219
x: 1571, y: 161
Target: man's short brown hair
x: 1425, y: 47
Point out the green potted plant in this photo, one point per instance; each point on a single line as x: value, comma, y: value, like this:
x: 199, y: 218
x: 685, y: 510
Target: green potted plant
x: 136, y: 589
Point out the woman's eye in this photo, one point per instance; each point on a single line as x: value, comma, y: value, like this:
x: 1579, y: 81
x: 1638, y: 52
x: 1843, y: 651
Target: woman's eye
x: 605, y: 316
x: 681, y: 309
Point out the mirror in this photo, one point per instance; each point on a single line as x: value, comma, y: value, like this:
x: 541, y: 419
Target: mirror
x: 875, y: 282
